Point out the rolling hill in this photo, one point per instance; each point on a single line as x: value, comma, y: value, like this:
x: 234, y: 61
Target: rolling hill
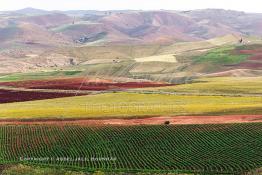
x: 81, y: 85
x: 137, y: 27
x: 157, y: 45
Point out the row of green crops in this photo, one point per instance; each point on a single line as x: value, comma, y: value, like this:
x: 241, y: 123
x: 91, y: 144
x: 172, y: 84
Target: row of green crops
x: 229, y: 148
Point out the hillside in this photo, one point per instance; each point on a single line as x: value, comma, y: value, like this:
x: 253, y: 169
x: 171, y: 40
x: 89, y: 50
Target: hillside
x: 135, y: 27
x: 130, y: 92
x: 157, y: 45
x: 176, y: 63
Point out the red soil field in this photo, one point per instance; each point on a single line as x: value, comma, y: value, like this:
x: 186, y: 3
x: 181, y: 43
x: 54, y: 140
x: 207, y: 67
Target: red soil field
x: 254, y: 61
x: 8, y: 96
x: 251, y: 52
x: 256, y: 57
x: 250, y: 65
x: 174, y: 120
x: 80, y: 84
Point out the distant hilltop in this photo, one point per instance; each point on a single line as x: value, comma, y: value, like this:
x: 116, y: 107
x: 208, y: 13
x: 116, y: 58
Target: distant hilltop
x: 126, y: 26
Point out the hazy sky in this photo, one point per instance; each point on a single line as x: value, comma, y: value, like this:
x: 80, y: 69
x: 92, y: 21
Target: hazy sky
x: 243, y: 5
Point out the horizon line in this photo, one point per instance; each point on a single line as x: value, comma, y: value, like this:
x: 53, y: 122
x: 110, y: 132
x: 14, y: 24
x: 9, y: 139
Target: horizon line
x: 101, y: 10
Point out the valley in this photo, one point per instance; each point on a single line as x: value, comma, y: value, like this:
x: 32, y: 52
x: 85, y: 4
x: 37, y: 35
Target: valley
x: 130, y: 92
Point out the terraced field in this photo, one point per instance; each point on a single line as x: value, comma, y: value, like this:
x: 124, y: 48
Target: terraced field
x: 209, y: 149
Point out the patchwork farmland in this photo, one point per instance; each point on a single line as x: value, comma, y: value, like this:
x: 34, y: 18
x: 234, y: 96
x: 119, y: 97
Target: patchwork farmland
x: 130, y: 92
x: 133, y: 127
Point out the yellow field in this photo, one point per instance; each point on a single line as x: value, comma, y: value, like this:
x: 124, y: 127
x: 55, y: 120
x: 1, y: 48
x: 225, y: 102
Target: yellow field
x: 158, y: 58
x: 125, y: 105
x: 228, y: 86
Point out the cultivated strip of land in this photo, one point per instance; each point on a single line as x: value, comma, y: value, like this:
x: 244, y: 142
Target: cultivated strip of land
x: 197, y: 149
x: 172, y: 120
x: 130, y: 105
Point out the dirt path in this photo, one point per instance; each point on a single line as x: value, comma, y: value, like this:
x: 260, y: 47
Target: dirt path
x: 176, y: 120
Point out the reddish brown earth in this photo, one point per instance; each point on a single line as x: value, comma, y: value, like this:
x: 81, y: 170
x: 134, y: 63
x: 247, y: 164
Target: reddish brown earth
x: 80, y: 84
x: 251, y: 51
x: 254, y: 61
x: 48, y: 20
x: 257, y: 57
x: 175, y: 120
x: 8, y: 96
x: 250, y: 65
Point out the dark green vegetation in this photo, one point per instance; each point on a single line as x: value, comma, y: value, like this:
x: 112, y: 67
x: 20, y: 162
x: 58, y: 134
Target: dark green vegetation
x: 231, y: 148
x: 224, y: 56
x: 21, y: 169
x: 28, y: 170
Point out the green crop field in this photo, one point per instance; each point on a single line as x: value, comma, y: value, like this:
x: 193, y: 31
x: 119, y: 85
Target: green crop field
x: 38, y: 75
x: 127, y: 105
x: 231, y: 148
x: 223, y: 55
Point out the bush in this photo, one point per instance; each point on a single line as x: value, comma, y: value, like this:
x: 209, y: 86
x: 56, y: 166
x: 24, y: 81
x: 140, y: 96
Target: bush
x: 167, y: 122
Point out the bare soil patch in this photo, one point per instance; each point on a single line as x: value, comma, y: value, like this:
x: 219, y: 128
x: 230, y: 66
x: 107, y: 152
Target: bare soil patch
x: 173, y: 120
x: 252, y: 52
x: 257, y: 57
x: 251, y: 65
